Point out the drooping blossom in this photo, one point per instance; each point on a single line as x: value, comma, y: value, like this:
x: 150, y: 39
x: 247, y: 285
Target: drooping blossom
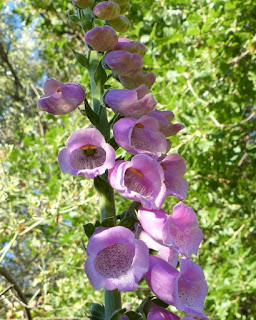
x: 83, y: 3
x: 120, y: 24
x: 158, y: 313
x: 131, y: 46
x: 101, y: 38
x: 107, y: 10
x: 140, y: 136
x: 60, y: 98
x: 124, y: 63
x: 131, y: 103
x: 167, y: 253
x: 86, y: 153
x: 141, y: 78
x: 181, y: 230
x: 186, y: 290
x: 165, y: 117
x: 115, y: 259
x: 174, y: 169
x: 140, y: 179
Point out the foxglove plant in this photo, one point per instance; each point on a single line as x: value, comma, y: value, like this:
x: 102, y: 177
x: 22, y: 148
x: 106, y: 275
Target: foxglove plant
x: 144, y: 241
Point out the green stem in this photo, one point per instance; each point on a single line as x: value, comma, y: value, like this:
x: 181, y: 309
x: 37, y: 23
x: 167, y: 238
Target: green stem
x: 107, y: 201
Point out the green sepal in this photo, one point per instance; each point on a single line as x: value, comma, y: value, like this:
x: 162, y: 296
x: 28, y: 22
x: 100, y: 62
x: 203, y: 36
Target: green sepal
x: 89, y: 229
x: 101, y: 185
x: 159, y: 302
x: 117, y: 314
x: 128, y: 222
x: 97, y: 224
x: 132, y: 315
x: 74, y: 19
x: 108, y: 222
x: 128, y: 218
x: 100, y: 75
x: 113, y: 143
x: 81, y: 58
x: 104, y: 125
x: 97, y: 312
x: 115, y: 118
x: 92, y: 116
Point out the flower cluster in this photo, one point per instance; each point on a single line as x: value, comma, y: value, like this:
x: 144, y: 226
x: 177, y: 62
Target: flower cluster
x: 117, y: 258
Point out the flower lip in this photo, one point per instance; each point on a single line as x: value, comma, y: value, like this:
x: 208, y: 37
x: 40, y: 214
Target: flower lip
x: 115, y: 259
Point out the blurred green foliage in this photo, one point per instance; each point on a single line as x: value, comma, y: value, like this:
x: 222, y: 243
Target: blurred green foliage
x: 203, y: 53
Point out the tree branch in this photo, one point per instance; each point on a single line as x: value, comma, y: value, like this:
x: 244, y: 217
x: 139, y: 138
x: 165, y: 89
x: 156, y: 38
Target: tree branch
x: 22, y: 297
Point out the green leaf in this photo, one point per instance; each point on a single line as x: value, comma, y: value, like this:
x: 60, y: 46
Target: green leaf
x: 101, y: 185
x: 113, y: 143
x: 74, y: 19
x: 89, y: 228
x: 132, y: 315
x: 92, y: 116
x: 115, y: 315
x: 100, y: 75
x: 81, y: 58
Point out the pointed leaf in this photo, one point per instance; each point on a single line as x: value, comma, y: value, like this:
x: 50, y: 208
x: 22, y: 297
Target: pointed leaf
x: 81, y: 58
x: 89, y: 228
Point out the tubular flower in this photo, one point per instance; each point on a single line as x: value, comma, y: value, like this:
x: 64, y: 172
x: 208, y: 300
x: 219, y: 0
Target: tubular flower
x: 174, y: 169
x: 165, y: 118
x: 107, y: 10
x: 181, y: 230
x: 140, y: 136
x: 115, y: 259
x: 186, y: 290
x: 87, y: 154
x: 131, y: 103
x: 167, y: 253
x: 140, y: 179
x: 131, y: 46
x: 124, y: 63
x: 101, y: 38
x: 158, y: 313
x: 142, y: 78
x: 60, y: 98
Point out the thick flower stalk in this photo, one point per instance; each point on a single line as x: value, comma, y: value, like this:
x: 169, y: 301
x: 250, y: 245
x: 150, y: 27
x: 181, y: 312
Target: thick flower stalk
x: 144, y: 240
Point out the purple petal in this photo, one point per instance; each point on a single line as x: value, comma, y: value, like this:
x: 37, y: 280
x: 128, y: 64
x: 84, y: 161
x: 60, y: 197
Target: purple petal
x: 181, y: 230
x: 158, y: 313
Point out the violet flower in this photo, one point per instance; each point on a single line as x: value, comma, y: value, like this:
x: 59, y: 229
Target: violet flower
x: 174, y: 169
x: 140, y: 136
x: 165, y: 118
x: 181, y: 230
x: 101, y: 38
x: 124, y: 63
x: 60, y: 98
x: 158, y: 313
x: 167, y: 253
x: 106, y: 10
x: 140, y: 179
x: 141, y: 78
x: 131, y: 103
x: 131, y: 46
x: 186, y: 290
x: 86, y: 153
x: 115, y: 259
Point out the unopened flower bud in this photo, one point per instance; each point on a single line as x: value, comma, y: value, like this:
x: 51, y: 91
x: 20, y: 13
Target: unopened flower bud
x: 83, y: 3
x: 107, y: 10
x: 120, y: 24
x: 101, y: 38
x: 131, y: 46
x: 120, y: 2
x: 142, y: 78
x: 125, y: 8
x: 124, y: 63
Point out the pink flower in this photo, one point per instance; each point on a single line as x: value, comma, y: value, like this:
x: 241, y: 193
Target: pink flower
x: 60, y: 98
x: 141, y: 78
x: 86, y: 153
x: 131, y: 46
x: 140, y: 136
x: 115, y: 259
x: 101, y: 38
x: 106, y: 10
x: 131, y: 103
x: 124, y: 63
